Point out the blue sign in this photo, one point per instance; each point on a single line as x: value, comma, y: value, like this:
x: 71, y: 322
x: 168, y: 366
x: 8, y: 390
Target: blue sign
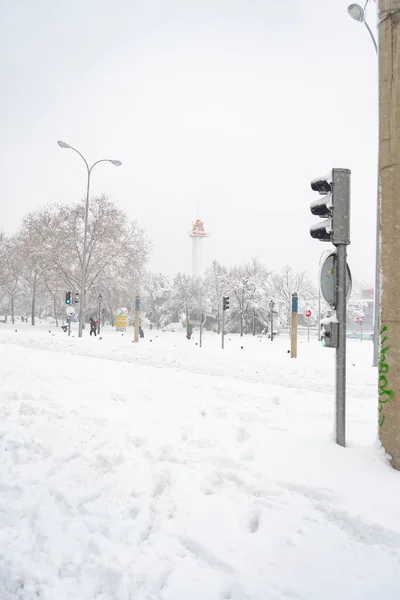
x: 295, y: 304
x: 137, y: 304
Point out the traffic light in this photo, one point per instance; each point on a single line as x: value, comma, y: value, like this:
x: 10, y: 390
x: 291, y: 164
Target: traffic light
x: 330, y: 333
x: 225, y: 302
x: 76, y: 297
x: 333, y: 207
x: 67, y: 297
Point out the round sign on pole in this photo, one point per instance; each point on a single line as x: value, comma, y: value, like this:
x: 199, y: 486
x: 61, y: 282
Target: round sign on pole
x: 357, y: 319
x: 327, y: 279
x: 308, y: 313
x: 70, y: 311
x: 202, y: 318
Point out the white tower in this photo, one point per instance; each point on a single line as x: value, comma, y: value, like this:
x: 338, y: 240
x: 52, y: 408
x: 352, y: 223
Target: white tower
x: 197, y: 234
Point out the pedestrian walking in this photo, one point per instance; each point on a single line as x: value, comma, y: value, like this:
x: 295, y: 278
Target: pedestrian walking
x: 93, y: 326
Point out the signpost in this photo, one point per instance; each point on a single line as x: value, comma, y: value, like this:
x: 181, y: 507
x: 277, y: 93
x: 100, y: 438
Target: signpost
x: 308, y: 315
x: 360, y: 321
x: 295, y: 310
x: 328, y: 275
x: 137, y: 319
x: 121, y: 322
x: 70, y: 313
x: 202, y: 319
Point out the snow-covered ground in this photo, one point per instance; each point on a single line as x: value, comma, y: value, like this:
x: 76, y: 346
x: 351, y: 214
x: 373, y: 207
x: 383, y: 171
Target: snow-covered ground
x: 166, y: 471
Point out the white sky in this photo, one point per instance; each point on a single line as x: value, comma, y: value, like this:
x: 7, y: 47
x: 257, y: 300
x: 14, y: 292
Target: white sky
x: 226, y: 107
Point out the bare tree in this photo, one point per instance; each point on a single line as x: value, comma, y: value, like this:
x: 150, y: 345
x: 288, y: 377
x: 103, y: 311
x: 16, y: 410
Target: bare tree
x: 215, y: 285
x: 117, y: 248
x: 247, y: 283
x: 186, y: 295
x: 284, y: 284
x: 10, y: 270
x: 157, y: 299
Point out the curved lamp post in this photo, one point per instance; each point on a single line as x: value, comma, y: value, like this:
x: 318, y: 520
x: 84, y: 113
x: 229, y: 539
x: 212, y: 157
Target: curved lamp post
x: 116, y: 163
x: 357, y: 13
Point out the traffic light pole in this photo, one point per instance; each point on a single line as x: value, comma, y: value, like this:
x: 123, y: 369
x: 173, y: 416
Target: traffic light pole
x: 341, y: 267
x: 334, y: 208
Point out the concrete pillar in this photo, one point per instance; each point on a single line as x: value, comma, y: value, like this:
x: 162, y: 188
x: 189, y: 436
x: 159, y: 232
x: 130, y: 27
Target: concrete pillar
x: 389, y: 224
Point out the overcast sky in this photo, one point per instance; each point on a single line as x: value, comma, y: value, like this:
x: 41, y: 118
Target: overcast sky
x: 226, y: 107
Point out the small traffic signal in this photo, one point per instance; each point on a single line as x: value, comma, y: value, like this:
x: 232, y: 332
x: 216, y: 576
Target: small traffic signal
x: 225, y: 302
x: 67, y: 297
x: 76, y: 297
x: 330, y: 333
x: 333, y: 207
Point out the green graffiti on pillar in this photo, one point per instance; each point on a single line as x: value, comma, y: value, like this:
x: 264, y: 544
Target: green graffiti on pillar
x: 385, y: 395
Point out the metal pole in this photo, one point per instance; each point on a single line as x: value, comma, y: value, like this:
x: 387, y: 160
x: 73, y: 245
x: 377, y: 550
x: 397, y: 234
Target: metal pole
x: 83, y: 279
x: 98, y: 325
x: 293, y: 344
x: 308, y: 331
x: 272, y: 325
x: 137, y: 320
x: 223, y: 328
x: 372, y: 36
x: 341, y: 349
x: 201, y: 331
x: 116, y: 163
x: 69, y: 326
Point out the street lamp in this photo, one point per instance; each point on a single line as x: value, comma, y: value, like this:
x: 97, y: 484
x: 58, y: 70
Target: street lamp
x: 116, y: 163
x: 358, y: 14
x: 100, y: 298
x: 271, y: 314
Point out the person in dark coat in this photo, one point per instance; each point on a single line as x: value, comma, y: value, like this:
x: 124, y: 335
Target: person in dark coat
x: 141, y: 332
x: 189, y: 330
x: 93, y: 326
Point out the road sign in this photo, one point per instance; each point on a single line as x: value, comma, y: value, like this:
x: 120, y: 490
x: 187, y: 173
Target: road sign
x: 327, y: 279
x: 357, y: 320
x: 70, y: 311
x: 308, y: 313
x: 121, y: 322
x: 295, y: 303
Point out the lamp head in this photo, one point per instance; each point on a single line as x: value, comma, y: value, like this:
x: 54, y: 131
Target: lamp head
x: 356, y: 12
